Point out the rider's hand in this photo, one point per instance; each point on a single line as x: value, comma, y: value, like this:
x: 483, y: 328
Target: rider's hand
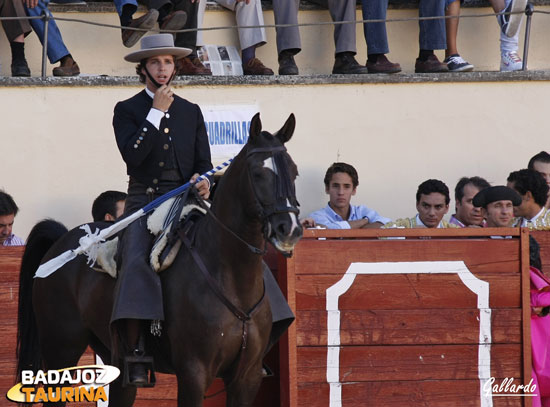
x: 163, y: 98
x: 203, y: 186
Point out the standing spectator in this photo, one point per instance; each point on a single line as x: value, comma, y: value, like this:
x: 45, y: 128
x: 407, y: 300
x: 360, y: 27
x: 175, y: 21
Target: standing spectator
x: 432, y: 37
x: 497, y: 205
x: 108, y: 206
x: 57, y: 51
x: 532, y: 188
x: 8, y: 210
x: 247, y: 12
x: 466, y: 213
x: 509, y: 35
x: 432, y: 203
x: 16, y: 31
x: 344, y: 36
x: 341, y: 181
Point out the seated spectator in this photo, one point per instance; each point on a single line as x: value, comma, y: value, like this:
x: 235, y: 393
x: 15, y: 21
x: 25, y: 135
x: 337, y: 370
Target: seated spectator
x: 16, y: 31
x: 341, y: 181
x: 8, y: 210
x: 532, y: 188
x: 247, y: 12
x: 541, y: 162
x: 432, y: 203
x: 108, y: 206
x: 466, y: 213
x: 509, y: 35
x: 497, y: 205
x: 344, y: 36
x: 432, y: 37
x: 57, y: 51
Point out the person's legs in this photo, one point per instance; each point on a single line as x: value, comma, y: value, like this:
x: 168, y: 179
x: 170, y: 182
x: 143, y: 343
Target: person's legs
x: 377, y: 37
x: 288, y: 38
x: 432, y: 37
x: 191, y: 65
x: 509, y: 58
x: 16, y: 30
x: 511, y: 23
x: 454, y: 61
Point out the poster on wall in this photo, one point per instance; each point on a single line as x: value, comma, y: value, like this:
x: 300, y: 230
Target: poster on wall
x: 228, y: 128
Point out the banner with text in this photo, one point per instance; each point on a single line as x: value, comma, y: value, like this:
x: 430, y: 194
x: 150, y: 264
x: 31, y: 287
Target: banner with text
x: 228, y: 128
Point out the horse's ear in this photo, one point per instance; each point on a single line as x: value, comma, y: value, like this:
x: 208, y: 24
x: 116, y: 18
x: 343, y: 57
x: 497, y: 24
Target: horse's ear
x: 255, y: 126
x: 287, y: 130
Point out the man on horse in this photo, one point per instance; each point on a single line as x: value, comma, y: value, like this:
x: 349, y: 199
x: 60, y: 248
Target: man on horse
x: 162, y: 138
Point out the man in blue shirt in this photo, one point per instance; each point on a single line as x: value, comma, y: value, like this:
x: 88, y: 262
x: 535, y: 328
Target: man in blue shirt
x: 341, y: 181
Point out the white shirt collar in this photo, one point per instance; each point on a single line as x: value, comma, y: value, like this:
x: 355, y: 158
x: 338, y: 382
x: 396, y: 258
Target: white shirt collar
x: 534, y: 218
x: 151, y: 94
x: 421, y: 224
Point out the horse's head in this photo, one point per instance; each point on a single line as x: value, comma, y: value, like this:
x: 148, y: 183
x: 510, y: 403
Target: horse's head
x: 272, y: 174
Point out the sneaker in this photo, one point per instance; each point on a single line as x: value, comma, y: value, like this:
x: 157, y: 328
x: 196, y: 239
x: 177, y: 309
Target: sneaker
x: 510, y: 23
x: 510, y: 61
x: 456, y: 63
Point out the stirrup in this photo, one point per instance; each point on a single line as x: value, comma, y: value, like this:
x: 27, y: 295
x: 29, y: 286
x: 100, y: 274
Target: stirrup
x: 148, y: 364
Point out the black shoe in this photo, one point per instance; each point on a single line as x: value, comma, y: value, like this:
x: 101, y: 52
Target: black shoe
x: 345, y: 64
x: 287, y: 65
x: 20, y: 68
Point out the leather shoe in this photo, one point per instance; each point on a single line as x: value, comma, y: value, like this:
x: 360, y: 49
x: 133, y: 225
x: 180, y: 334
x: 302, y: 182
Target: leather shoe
x: 20, y: 68
x: 174, y: 21
x: 430, y: 65
x: 145, y: 22
x: 137, y: 374
x: 256, y: 67
x: 383, y: 65
x: 287, y: 65
x: 345, y: 64
x: 191, y: 66
x: 69, y: 67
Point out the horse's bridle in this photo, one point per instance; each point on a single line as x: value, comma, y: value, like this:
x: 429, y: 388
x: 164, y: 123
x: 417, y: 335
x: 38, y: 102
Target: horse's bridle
x: 284, y: 193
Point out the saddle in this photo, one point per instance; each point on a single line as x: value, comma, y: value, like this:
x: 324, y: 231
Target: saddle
x: 163, y: 224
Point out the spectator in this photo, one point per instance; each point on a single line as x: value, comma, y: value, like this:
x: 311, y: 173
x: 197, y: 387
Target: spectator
x: 8, y: 210
x: 108, y: 206
x: 344, y: 36
x: 541, y: 162
x: 57, y: 51
x: 532, y: 188
x: 432, y: 36
x: 497, y: 205
x: 247, y: 12
x: 466, y: 213
x: 16, y: 31
x: 432, y: 203
x: 509, y: 35
x: 341, y: 181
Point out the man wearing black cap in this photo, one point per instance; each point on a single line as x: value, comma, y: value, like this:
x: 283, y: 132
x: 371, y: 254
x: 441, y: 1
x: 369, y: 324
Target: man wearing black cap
x: 497, y: 205
x: 162, y: 139
x: 532, y: 188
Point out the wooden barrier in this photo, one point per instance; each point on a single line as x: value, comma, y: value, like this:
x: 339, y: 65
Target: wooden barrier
x: 410, y: 333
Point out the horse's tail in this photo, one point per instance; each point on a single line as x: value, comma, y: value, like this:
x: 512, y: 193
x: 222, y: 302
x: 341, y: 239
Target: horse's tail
x: 42, y: 237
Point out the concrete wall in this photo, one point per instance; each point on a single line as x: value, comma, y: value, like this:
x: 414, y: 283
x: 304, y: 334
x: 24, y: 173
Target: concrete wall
x: 58, y: 149
x: 99, y: 50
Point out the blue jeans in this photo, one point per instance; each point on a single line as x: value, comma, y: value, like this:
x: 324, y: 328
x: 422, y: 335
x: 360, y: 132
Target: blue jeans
x: 56, y: 46
x: 121, y: 3
x: 432, y: 32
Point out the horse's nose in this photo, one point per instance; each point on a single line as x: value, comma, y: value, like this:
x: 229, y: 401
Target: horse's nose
x: 289, y: 227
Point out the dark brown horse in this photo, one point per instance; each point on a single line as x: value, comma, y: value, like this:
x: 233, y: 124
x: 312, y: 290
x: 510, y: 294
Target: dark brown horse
x: 201, y: 337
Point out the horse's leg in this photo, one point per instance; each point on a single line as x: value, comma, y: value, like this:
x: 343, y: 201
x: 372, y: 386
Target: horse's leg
x: 242, y: 392
x: 191, y: 387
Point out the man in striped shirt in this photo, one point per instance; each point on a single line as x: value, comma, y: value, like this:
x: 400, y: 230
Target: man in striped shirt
x: 8, y: 210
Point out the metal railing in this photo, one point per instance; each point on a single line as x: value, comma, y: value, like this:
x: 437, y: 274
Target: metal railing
x: 529, y: 11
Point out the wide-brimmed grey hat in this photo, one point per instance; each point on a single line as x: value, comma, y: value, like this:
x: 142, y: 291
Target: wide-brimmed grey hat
x: 158, y: 44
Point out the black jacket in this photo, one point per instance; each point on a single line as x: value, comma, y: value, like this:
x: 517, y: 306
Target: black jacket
x: 145, y: 149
